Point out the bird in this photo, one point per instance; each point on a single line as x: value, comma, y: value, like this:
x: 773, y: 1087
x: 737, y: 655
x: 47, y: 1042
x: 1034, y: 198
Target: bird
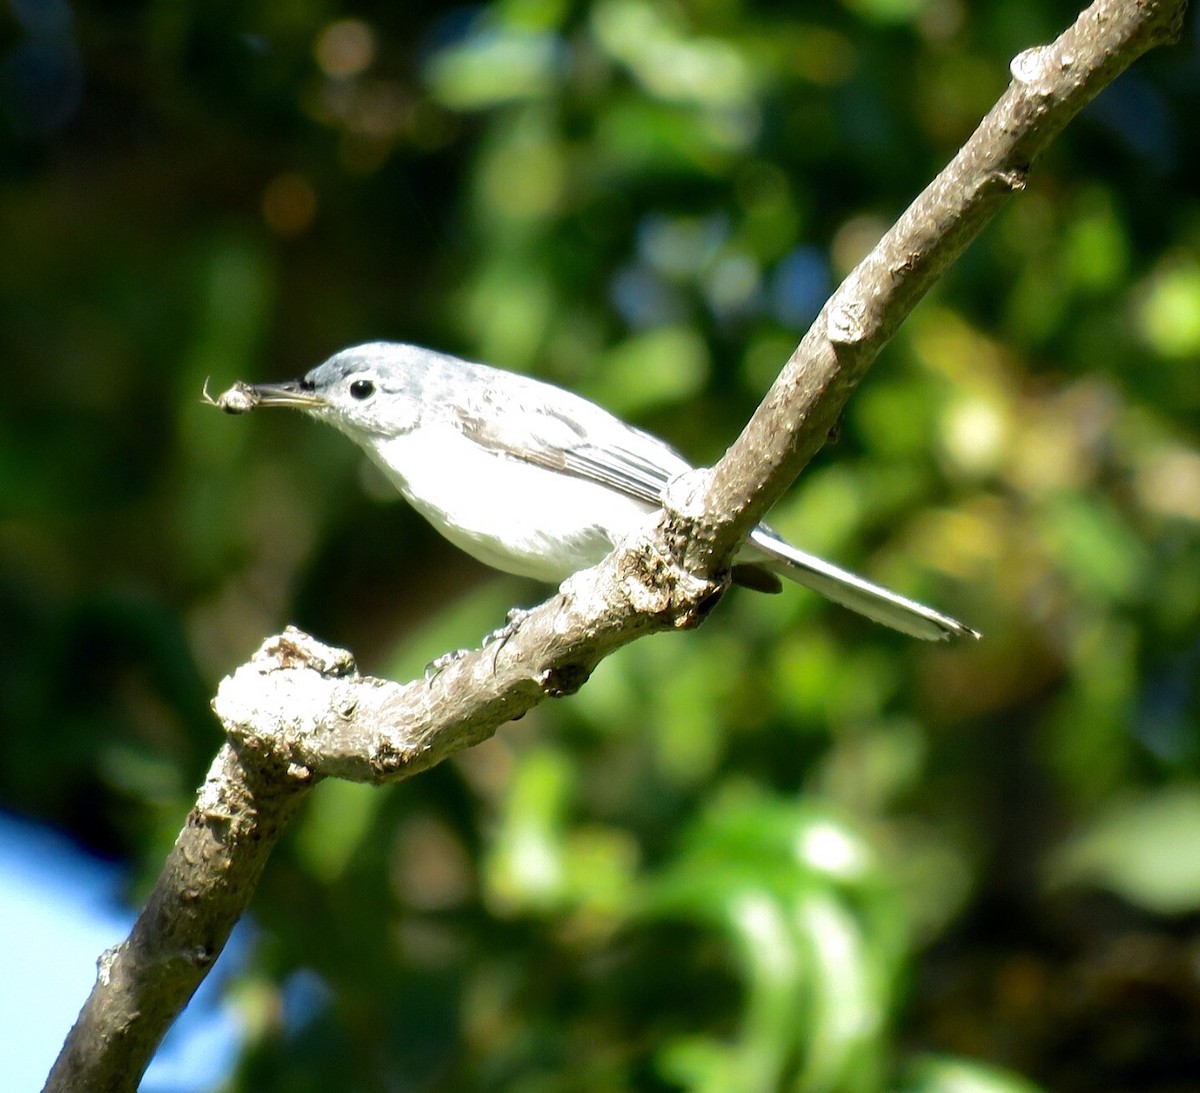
x: 530, y: 478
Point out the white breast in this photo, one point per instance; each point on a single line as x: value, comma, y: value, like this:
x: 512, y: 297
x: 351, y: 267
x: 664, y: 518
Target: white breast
x: 510, y: 515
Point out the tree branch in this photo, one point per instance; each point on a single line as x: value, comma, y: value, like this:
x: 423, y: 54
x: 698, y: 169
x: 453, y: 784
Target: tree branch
x: 1050, y: 85
x: 299, y: 711
x: 209, y: 876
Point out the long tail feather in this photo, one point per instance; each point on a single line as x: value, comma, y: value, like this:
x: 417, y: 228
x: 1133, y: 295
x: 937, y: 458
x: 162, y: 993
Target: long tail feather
x: 871, y: 600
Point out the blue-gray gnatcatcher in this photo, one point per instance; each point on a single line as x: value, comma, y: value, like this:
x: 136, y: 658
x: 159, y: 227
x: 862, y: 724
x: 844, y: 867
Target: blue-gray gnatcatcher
x: 532, y: 479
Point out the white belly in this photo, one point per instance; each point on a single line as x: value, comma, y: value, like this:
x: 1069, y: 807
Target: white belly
x: 510, y: 515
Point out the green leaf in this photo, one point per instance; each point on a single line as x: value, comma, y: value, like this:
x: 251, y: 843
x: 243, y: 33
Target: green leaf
x: 945, y: 1074
x: 1145, y: 849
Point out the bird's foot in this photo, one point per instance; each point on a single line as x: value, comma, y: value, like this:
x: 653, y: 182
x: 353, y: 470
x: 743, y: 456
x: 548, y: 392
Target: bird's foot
x: 440, y: 664
x: 496, y: 638
x: 515, y: 617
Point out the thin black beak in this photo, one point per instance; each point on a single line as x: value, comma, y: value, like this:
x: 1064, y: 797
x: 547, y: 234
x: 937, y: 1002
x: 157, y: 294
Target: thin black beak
x: 289, y: 393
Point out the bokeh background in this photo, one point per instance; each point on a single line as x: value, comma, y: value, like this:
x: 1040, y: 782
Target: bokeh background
x: 790, y: 851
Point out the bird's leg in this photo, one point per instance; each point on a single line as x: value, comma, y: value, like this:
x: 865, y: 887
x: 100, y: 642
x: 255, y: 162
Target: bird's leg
x: 513, y: 619
x: 497, y: 638
x: 440, y: 664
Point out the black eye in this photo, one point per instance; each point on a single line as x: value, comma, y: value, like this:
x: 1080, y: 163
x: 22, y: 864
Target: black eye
x: 307, y: 385
x: 361, y: 389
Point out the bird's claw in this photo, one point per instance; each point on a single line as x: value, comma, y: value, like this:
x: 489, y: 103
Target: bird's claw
x: 440, y: 664
x: 515, y: 617
x: 496, y: 638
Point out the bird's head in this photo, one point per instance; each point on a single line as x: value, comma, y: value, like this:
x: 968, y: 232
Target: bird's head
x: 369, y: 392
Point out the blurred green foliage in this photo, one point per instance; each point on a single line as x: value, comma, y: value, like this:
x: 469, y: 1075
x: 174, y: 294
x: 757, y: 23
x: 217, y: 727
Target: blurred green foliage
x: 789, y: 851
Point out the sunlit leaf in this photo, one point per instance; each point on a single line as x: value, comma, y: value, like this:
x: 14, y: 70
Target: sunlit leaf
x: 1146, y: 849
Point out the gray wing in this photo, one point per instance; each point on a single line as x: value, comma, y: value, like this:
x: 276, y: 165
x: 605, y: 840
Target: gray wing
x: 619, y: 468
x: 547, y: 427
x: 569, y: 435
